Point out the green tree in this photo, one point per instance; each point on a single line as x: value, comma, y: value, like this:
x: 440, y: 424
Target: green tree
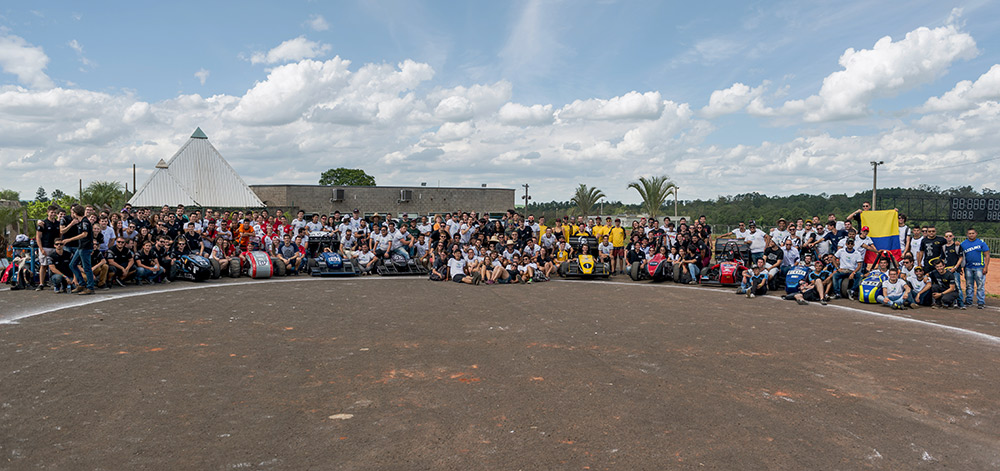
x: 103, y: 194
x: 654, y: 192
x: 58, y: 194
x: 585, y: 198
x: 10, y: 195
x: 346, y: 177
x: 40, y: 195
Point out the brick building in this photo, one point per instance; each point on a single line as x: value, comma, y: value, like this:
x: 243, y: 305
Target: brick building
x: 396, y: 200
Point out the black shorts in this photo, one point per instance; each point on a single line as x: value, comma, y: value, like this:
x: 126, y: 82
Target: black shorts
x: 811, y: 295
x: 458, y: 278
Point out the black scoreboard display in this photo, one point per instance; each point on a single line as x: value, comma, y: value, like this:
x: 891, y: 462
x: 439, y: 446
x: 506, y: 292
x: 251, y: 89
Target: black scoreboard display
x: 975, y: 209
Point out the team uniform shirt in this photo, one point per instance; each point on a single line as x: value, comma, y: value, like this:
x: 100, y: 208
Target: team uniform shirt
x: 915, y: 245
x: 146, y: 259
x: 509, y: 254
x: 314, y: 226
x: 849, y: 260
x: 951, y: 254
x: 398, y: 239
x: 894, y: 290
x: 917, y: 283
x: 793, y: 277
x: 741, y: 234
x: 67, y: 221
x: 532, y: 249
x: 773, y: 257
x: 908, y: 273
x: 943, y: 282
x: 860, y: 243
x: 382, y: 241
x: 562, y: 254
x: 120, y: 256
x: 49, y: 231
x: 616, y: 235
x: 61, y: 262
x: 422, y: 248
x: 823, y: 274
x: 757, y: 241
x: 932, y: 249
x: 456, y: 267
x: 548, y: 241
x: 605, y: 248
x: 779, y: 236
x: 87, y: 242
x: 348, y: 243
x: 975, y: 253
x: 364, y: 258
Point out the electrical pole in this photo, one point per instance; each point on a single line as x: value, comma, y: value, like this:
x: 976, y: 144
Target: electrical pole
x: 526, y: 198
x: 675, y: 201
x: 875, y: 179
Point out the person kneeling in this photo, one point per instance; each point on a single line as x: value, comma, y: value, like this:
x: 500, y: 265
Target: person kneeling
x: 754, y: 281
x: 895, y: 293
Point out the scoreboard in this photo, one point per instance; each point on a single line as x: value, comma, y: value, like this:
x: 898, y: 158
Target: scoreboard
x: 974, y: 209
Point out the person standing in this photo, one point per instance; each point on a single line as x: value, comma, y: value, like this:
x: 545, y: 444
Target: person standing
x: 977, y: 264
x: 951, y: 253
x: 45, y: 236
x: 85, y: 245
x: 930, y: 249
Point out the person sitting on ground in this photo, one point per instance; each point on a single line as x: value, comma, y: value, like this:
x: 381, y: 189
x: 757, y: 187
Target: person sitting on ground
x: 604, y: 250
x: 895, y: 291
x: 366, y: 260
x: 754, y: 281
x: 920, y: 287
x: 546, y: 267
x: 822, y: 278
x: 942, y: 286
x: 457, y: 270
x: 221, y: 253
x: 147, y: 264
x: 807, y: 291
x: 850, y: 263
x: 59, y: 272
x: 289, y: 254
x: 122, y: 262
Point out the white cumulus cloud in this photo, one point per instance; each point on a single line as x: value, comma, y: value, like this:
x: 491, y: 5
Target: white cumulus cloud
x: 27, y: 62
x: 520, y: 115
x: 317, y: 23
x: 202, y: 75
x: 967, y: 93
x: 731, y: 100
x: 291, y: 50
x: 632, y: 105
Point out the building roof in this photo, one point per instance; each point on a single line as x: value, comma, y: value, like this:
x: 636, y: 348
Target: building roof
x: 196, y: 175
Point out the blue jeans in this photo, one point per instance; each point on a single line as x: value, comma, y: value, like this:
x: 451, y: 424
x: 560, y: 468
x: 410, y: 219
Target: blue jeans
x: 147, y: 274
x: 82, y: 257
x: 891, y: 301
x: 974, y: 275
x: 838, y: 278
x: 958, y: 286
x: 695, y: 272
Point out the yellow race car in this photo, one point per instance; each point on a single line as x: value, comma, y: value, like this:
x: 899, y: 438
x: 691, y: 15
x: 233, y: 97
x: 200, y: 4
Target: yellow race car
x: 585, y: 264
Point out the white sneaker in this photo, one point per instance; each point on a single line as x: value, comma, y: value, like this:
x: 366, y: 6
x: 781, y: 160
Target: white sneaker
x: 751, y: 296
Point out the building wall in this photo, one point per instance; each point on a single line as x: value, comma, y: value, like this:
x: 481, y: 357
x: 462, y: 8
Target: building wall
x: 385, y: 199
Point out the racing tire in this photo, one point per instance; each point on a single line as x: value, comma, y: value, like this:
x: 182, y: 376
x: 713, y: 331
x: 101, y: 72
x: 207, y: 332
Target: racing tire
x: 845, y: 288
x: 279, y: 267
x: 633, y: 271
x: 563, y: 269
x: 738, y: 276
x: 175, y: 271
x: 311, y: 265
x: 216, y: 269
x: 234, y: 267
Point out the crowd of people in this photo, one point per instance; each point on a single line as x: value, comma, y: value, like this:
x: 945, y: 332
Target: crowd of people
x: 82, y: 249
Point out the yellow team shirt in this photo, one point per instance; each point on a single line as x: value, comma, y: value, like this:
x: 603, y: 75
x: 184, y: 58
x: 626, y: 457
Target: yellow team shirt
x: 562, y: 255
x: 617, y: 237
x: 541, y: 232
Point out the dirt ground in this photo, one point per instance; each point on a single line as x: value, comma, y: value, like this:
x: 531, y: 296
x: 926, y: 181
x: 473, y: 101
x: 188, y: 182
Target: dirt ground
x: 377, y: 373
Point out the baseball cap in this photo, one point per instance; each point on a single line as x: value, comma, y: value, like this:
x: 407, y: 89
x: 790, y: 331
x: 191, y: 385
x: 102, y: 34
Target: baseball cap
x: 355, y: 210
x: 865, y: 228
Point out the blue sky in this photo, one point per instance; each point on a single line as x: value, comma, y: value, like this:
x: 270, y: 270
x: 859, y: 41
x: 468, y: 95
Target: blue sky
x: 550, y: 93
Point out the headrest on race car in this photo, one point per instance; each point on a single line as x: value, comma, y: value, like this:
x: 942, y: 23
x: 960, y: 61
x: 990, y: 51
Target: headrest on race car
x: 398, y: 260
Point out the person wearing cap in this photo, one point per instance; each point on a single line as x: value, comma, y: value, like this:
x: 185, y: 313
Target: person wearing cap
x: 511, y: 250
x: 863, y: 243
x: 850, y: 263
x: 754, y: 281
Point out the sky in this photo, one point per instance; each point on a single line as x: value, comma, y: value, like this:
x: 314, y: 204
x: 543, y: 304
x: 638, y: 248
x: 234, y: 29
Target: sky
x: 723, y: 97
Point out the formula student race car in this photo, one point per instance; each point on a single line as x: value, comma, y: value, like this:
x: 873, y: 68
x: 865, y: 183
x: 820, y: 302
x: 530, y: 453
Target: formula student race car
x: 328, y: 263
x: 193, y: 268
x: 256, y: 264
x: 870, y: 286
x: 397, y: 265
x: 729, y: 269
x: 584, y: 265
x: 658, y: 269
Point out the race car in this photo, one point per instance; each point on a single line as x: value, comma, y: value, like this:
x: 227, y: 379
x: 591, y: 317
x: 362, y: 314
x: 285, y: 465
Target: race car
x: 586, y: 263
x: 397, y: 265
x: 256, y: 264
x: 323, y: 262
x: 871, y: 284
x: 729, y: 269
x: 657, y: 269
x: 193, y: 268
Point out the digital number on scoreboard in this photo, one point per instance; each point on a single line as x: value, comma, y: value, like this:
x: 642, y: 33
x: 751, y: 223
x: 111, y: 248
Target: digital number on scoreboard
x: 975, y: 209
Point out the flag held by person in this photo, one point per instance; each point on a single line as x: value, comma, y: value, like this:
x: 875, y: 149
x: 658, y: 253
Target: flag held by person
x: 883, y: 228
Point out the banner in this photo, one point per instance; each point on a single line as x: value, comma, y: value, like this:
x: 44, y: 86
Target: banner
x: 883, y: 228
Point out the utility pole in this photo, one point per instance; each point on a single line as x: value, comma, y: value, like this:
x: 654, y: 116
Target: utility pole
x: 875, y: 179
x: 675, y: 201
x: 526, y: 198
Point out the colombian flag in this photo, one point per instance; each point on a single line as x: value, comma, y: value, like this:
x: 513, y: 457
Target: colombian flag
x: 883, y: 228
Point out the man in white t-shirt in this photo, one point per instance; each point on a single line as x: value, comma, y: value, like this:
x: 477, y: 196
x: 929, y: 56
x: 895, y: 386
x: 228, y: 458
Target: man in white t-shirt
x: 355, y: 221
x: 366, y: 260
x: 425, y: 227
x: 457, y: 272
x: 314, y: 225
x: 547, y: 239
x: 738, y: 233
x: 400, y: 240
x: 381, y: 243
x: 916, y: 240
x: 780, y: 233
x: 895, y: 292
x: 299, y: 221
x: 604, y: 250
x: 850, y: 267
x: 757, y: 241
x: 863, y: 243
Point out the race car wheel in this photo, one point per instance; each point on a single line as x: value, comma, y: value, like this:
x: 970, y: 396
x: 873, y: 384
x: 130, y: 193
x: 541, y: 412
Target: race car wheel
x: 709, y: 273
x: 633, y: 271
x: 738, y: 276
x: 563, y: 268
x: 175, y: 271
x: 216, y: 269
x: 311, y: 265
x: 234, y: 267
x: 279, y: 267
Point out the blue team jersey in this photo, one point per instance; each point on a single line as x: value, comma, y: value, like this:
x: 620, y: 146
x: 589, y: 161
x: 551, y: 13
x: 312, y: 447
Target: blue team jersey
x: 793, y: 277
x: 974, y: 251
x: 871, y: 286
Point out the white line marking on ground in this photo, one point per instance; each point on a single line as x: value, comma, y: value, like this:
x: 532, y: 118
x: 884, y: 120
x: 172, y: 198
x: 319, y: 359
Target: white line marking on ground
x: 959, y: 330
x: 99, y: 298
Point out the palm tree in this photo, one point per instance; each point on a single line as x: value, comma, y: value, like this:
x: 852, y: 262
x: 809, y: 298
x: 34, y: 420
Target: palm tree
x: 585, y: 198
x: 105, y: 194
x: 654, y: 192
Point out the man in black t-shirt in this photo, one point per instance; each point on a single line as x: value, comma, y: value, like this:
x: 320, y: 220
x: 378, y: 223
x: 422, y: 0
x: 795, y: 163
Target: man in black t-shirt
x: 67, y: 229
x: 931, y: 249
x: 147, y: 264
x: 45, y: 237
x: 60, y: 266
x: 85, y: 245
x: 943, y: 290
x: 122, y: 262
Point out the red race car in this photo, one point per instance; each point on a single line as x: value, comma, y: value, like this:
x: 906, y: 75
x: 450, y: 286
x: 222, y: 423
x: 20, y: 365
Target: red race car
x: 729, y: 269
x: 658, y: 269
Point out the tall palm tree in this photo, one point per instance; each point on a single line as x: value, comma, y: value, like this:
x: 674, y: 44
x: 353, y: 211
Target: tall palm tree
x: 654, y: 192
x: 585, y: 198
x: 105, y: 194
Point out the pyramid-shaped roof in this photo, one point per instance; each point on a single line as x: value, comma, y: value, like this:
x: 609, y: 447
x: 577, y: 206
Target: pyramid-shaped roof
x: 196, y: 175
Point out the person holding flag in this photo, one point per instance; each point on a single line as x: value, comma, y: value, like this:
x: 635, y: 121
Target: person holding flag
x: 883, y: 231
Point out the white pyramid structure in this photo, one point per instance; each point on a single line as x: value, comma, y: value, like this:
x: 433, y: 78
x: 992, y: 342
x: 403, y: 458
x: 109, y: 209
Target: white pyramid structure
x: 196, y: 175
